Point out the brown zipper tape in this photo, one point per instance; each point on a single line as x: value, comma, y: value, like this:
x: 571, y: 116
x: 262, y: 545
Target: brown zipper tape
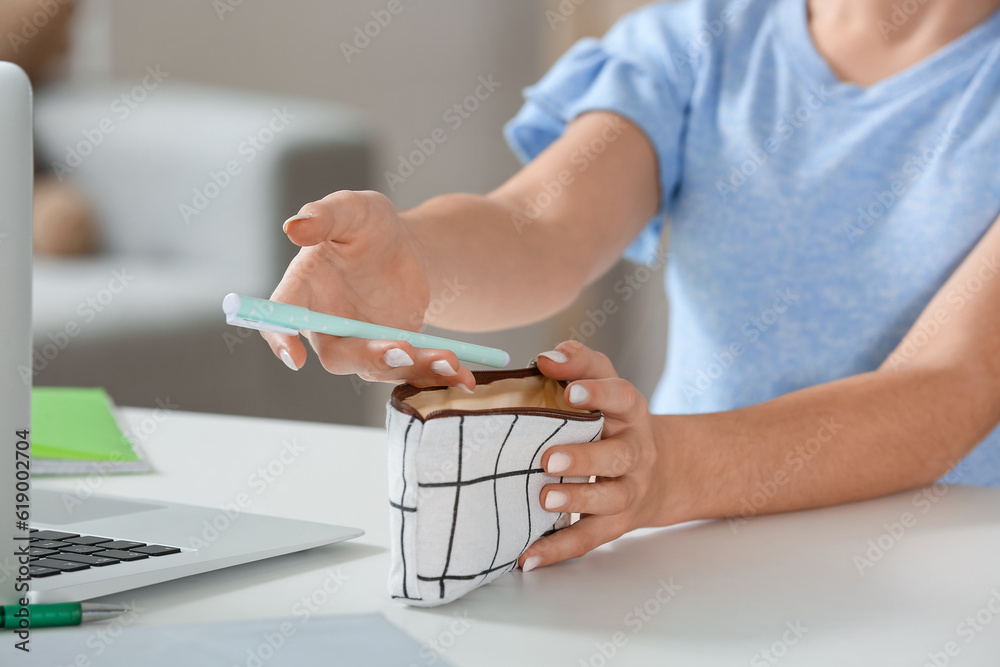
x: 405, y: 391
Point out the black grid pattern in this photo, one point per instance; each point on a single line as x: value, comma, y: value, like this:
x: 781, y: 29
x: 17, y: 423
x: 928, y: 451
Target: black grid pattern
x: 508, y: 522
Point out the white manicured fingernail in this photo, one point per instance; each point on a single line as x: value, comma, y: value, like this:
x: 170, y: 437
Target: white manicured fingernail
x: 578, y: 395
x: 556, y: 356
x: 465, y: 388
x: 397, y: 358
x: 284, y: 226
x: 555, y: 499
x: 287, y: 358
x: 558, y: 462
x: 442, y: 367
x: 531, y: 563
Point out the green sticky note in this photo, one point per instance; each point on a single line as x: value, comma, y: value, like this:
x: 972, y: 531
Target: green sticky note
x: 76, y: 424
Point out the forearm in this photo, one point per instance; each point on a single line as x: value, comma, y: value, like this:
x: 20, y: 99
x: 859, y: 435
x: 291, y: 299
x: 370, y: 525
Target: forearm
x: 488, y: 272
x: 852, y: 439
x: 526, y: 250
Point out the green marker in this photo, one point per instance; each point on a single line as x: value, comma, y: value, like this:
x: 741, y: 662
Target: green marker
x: 15, y: 617
x: 264, y: 315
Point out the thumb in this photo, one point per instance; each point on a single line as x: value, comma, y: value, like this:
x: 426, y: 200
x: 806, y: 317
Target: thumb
x: 336, y: 217
x: 573, y: 360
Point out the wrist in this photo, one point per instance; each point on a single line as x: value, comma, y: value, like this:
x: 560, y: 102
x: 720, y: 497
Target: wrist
x: 413, y: 232
x: 682, y: 495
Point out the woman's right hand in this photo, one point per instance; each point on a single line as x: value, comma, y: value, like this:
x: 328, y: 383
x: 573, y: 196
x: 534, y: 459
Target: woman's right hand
x: 358, y: 260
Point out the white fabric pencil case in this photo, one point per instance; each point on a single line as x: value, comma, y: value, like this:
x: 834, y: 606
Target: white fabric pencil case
x: 465, y: 477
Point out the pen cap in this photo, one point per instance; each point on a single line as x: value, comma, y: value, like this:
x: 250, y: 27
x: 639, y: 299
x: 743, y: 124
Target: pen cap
x: 252, y: 313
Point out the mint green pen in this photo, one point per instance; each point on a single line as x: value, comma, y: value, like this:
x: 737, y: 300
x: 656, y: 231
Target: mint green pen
x: 264, y: 315
x: 15, y: 617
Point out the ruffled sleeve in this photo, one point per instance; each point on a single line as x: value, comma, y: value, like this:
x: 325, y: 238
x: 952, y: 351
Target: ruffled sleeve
x: 623, y: 75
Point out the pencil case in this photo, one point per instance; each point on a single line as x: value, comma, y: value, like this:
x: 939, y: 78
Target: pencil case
x: 465, y: 477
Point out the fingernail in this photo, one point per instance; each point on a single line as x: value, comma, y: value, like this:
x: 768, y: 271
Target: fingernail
x: 301, y: 216
x: 442, y: 367
x: 397, y: 358
x: 287, y: 358
x: 578, y: 394
x: 464, y: 388
x: 558, y: 462
x: 555, y: 499
x: 556, y: 356
x: 531, y: 563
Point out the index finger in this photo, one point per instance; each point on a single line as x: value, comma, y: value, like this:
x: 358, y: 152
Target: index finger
x: 289, y: 348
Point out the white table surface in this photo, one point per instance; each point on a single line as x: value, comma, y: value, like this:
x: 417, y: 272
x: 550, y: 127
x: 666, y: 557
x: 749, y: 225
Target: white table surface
x: 738, y: 589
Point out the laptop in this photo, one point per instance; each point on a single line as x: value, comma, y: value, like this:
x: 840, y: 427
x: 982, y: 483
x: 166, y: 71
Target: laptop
x: 108, y: 544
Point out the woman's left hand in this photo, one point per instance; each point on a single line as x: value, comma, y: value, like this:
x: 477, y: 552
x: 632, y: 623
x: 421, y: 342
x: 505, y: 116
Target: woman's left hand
x: 628, y: 462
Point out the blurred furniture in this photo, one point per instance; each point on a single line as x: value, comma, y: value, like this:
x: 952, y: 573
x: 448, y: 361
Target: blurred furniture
x: 190, y: 185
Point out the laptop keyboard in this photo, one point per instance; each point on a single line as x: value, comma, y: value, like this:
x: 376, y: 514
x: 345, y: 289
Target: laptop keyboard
x: 53, y: 552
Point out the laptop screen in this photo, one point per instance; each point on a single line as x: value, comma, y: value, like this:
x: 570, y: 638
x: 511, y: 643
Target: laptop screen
x: 16, y: 174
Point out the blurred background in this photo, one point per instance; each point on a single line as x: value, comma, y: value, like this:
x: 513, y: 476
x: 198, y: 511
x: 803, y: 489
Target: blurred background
x: 173, y: 139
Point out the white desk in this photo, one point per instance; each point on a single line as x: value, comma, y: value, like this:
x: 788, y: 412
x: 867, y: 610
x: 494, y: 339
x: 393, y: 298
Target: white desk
x: 738, y: 590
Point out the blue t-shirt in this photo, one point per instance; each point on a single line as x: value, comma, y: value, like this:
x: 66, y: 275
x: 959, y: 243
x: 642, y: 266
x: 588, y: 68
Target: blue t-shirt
x: 811, y: 221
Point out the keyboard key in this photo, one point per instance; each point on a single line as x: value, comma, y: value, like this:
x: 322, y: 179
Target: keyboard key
x: 52, y: 535
x: 121, y: 555
x: 155, y: 550
x: 122, y: 544
x: 96, y: 561
x: 48, y: 544
x: 63, y: 565
x: 36, y: 552
x: 87, y: 540
x: 79, y: 549
x: 39, y: 572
